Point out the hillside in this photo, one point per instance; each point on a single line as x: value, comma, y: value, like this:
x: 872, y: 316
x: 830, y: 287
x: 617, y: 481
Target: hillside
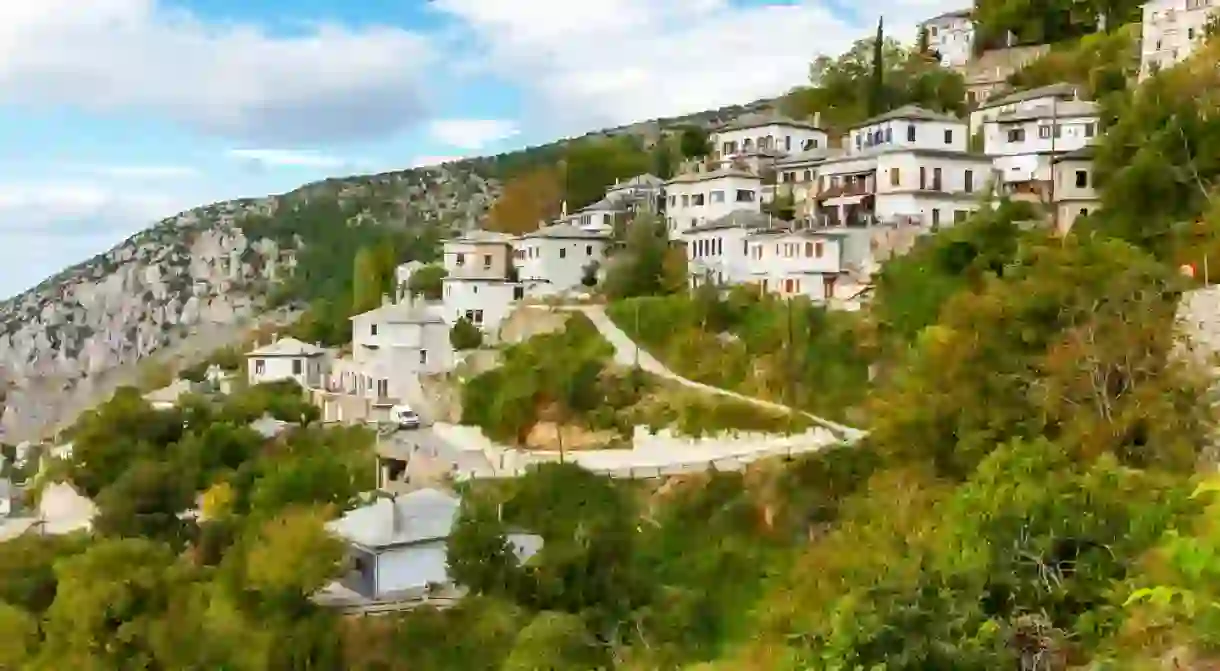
x: 214, y: 269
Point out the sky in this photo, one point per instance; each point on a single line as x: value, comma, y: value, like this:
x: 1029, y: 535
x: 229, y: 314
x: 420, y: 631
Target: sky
x: 115, y: 114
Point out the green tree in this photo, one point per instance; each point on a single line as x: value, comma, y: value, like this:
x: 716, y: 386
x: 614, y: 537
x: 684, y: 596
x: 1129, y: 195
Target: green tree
x: 428, y: 282
x: 694, y: 142
x: 19, y: 637
x: 145, y: 502
x: 640, y: 268
x: 876, y: 86
x: 663, y: 159
x: 555, y: 641
x: 464, y: 335
x: 479, y: 555
x: 366, y: 282
x: 591, y: 165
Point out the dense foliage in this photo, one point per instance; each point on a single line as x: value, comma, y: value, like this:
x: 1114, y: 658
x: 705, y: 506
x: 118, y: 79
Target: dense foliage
x: 791, y: 352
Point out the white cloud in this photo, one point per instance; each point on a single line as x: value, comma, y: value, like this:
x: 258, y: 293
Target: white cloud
x: 607, y: 62
x: 331, y: 83
x: 287, y: 158
x: 472, y: 133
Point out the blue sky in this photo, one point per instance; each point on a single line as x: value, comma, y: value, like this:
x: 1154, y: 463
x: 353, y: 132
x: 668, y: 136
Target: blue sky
x: 116, y: 113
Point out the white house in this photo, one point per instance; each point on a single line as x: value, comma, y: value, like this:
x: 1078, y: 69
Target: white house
x: 1172, y: 29
x: 909, y: 127
x: 1022, y: 143
x: 287, y: 359
x: 951, y: 36
x: 698, y: 198
x: 717, y: 251
x: 555, y: 259
x: 642, y: 192
x: 480, y: 284
x: 1075, y: 193
x: 391, y: 346
x: 1023, y: 101
x: 397, y: 547
x: 761, y: 132
x: 908, y: 166
x: 598, y: 217
x: 167, y: 397
x: 797, y: 175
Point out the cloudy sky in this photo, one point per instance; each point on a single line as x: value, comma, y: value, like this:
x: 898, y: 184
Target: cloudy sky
x: 116, y: 113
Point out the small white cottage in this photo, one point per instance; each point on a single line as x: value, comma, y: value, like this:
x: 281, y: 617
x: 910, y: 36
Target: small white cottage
x: 398, y: 545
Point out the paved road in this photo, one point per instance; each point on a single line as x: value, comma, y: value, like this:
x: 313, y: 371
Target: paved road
x: 627, y: 353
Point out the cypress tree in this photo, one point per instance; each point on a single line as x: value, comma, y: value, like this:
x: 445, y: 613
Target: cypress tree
x: 876, y: 88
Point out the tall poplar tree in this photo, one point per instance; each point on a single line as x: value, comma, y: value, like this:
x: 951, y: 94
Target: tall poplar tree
x: 876, y: 88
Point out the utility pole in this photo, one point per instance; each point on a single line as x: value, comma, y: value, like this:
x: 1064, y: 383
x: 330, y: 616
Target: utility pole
x: 1054, y: 161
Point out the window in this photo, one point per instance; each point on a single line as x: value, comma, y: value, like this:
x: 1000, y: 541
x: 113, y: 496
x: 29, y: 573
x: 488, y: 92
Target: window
x: 478, y: 317
x: 968, y: 181
x: 1044, y: 132
x: 423, y: 356
x: 1017, y: 135
x: 818, y: 250
x: 808, y: 176
x: 745, y: 196
x: 373, y: 329
x: 948, y: 136
x: 470, y: 316
x: 717, y: 196
x: 788, y: 286
x: 697, y: 200
x: 808, y: 249
x: 486, y: 260
x: 673, y: 201
x: 588, y: 250
x: 1089, y: 130
x: 383, y: 388
x: 787, y: 143
x: 895, y: 177
x: 563, y: 252
x: 936, y: 179
x: 518, y: 293
x: 960, y: 215
x: 296, y: 366
x: 889, y: 135
x: 460, y: 259
x: 685, y: 201
x: 910, y: 132
x: 1082, y: 179
x: 1084, y: 211
x: 935, y: 217
x: 810, y: 144
x: 260, y: 366
x: 719, y: 246
x: 745, y: 247
x: 1190, y: 33
x: 923, y: 178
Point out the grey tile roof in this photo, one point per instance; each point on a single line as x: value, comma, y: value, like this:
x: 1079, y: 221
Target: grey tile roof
x: 1066, y: 108
x: 424, y: 514
x: 1085, y: 153
x: 646, y: 181
x: 955, y: 14
x: 480, y: 235
x: 810, y: 156
x: 605, y: 204
x: 692, y: 177
x: 413, y: 312
x: 759, y: 119
x: 565, y: 231
x: 1061, y: 90
x: 747, y: 219
x: 911, y: 113
x: 881, y: 150
x: 287, y: 347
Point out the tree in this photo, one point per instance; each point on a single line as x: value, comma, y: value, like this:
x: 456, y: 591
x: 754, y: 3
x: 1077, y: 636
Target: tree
x: 663, y: 159
x: 428, y: 282
x: 480, y: 557
x: 465, y: 335
x: 592, y: 165
x: 527, y: 200
x: 921, y: 41
x: 293, y: 555
x: 876, y: 86
x: 555, y: 641
x: 694, y: 142
x: 640, y: 268
x: 18, y: 637
x: 366, y: 282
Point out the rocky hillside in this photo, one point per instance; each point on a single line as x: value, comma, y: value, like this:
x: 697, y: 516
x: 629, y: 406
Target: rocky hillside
x: 208, y: 273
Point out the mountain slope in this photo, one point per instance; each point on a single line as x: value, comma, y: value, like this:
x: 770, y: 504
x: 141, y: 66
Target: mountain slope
x: 198, y: 279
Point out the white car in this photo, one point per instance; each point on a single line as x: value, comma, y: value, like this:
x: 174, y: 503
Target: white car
x: 404, y: 417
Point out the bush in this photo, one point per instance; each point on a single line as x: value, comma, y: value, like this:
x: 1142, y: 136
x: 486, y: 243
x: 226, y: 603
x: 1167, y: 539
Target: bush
x: 465, y: 335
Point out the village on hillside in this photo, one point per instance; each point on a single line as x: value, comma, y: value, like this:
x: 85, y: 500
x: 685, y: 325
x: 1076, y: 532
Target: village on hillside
x: 851, y: 202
